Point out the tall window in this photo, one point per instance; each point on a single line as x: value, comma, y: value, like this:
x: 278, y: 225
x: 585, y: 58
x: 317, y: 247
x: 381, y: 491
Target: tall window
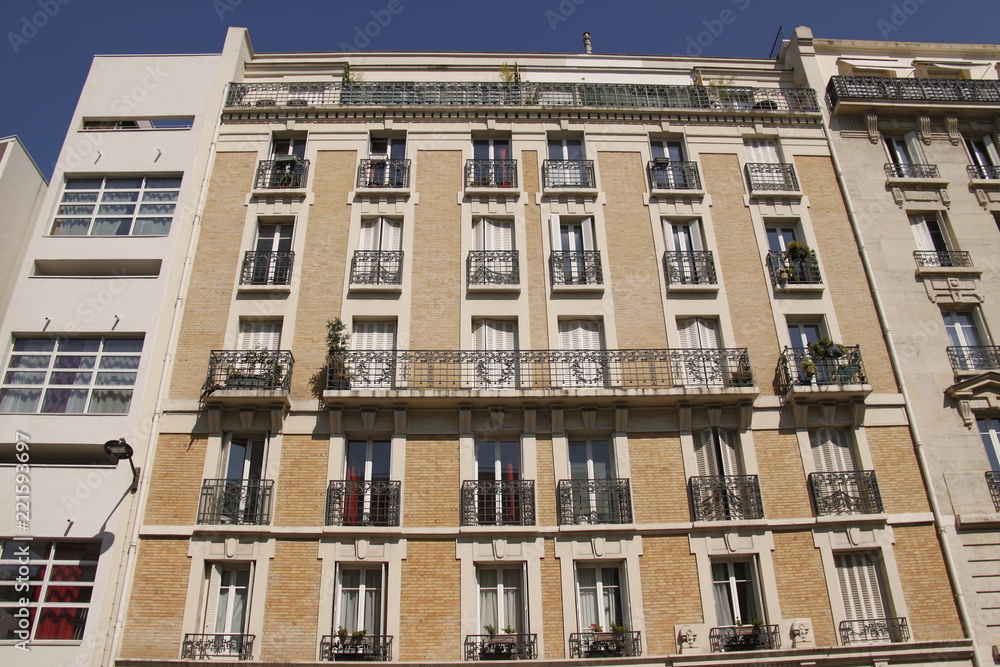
x: 599, y: 595
x: 381, y: 234
x: 493, y: 260
x: 584, y: 366
x: 668, y: 169
x: 686, y: 260
x: 501, y: 598
x: 386, y: 166
x: 966, y: 339
x: 831, y: 450
x: 271, y: 262
x: 256, y: 335
x: 700, y: 365
x: 498, y: 461
x: 565, y: 166
x: 245, y: 498
x: 494, y: 164
x: 288, y: 147
x: 905, y: 150
x: 229, y: 595
x: 496, y: 365
x: 575, y: 260
x: 762, y: 151
x: 127, y: 206
x: 737, y: 598
x: 377, y: 366
x: 989, y: 431
x: 491, y: 234
x: 861, y: 585
x: 717, y: 453
x: 928, y: 233
x: 360, y: 602
x: 983, y: 154
x: 368, y: 501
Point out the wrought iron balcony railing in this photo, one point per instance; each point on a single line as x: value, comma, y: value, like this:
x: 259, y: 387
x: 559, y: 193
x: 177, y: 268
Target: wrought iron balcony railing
x: 267, y: 268
x: 990, y: 172
x: 726, y: 497
x: 207, y: 646
x: 288, y: 173
x: 370, y: 648
x: 852, y: 492
x: 945, y: 258
x: 377, y: 267
x: 744, y: 638
x: 362, y: 503
x: 797, y: 366
x: 236, y: 501
x: 605, y: 644
x: 260, y: 369
x: 693, y: 267
x: 724, y: 368
x: 568, y: 174
x: 874, y: 630
x: 893, y: 89
x: 493, y: 267
x: 665, y: 174
x: 993, y: 481
x: 895, y: 170
x: 476, y: 94
x: 491, y: 174
x: 771, y: 177
x: 576, y: 267
x: 378, y: 173
x: 785, y: 271
x: 498, y: 502
x: 521, y: 646
x: 594, y: 501
x: 974, y: 358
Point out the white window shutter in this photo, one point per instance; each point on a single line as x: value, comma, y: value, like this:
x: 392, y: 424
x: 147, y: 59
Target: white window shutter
x: 914, y: 148
x: 704, y: 452
x: 859, y: 586
x: 500, y: 235
x: 369, y: 234
x: 392, y: 234
x: 479, y: 234
x: 730, y: 452
x: 580, y: 335
x: 256, y: 335
x: 991, y: 150
x: 698, y: 333
x: 921, y: 232
x: 688, y: 332
x: 554, y: 229
x: 374, y: 336
x: 212, y: 608
x: 694, y: 231
x: 587, y: 225
x: 831, y: 449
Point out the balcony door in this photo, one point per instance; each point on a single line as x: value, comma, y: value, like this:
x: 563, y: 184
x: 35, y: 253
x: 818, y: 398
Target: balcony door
x: 905, y: 151
x: 685, y: 241
x: 244, y: 459
x: 778, y: 238
x: 493, y: 166
x: 583, y: 363
x: 928, y: 234
x: 360, y: 600
x: 492, y: 235
x: 272, y: 263
x: 802, y: 335
x: 288, y: 148
x: 862, y: 591
x: 599, y: 597
x: 737, y: 598
x: 983, y: 152
x: 493, y: 241
x: 762, y: 151
x: 366, y: 501
x: 669, y: 150
x: 498, y: 461
x: 256, y: 335
x: 382, y: 172
x: 374, y: 358
x: 701, y: 364
x: 571, y: 171
x: 717, y: 454
x: 501, y: 599
x: 228, y: 607
x: 831, y: 450
x: 574, y: 240
x: 381, y: 234
x: 496, y: 361
x: 591, y: 469
x: 964, y: 335
x: 668, y: 172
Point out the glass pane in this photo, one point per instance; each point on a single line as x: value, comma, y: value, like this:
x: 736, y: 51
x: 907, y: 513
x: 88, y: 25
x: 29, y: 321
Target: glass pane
x: 71, y: 197
x: 9, y: 592
x: 64, y: 400
x: 123, y: 183
x: 37, y: 550
x: 357, y: 454
x: 70, y: 227
x: 79, y: 344
x: 111, y: 226
x: 156, y: 209
x: 19, y: 400
x: 66, y: 361
x: 78, y: 551
x: 110, y: 402
x: 510, y: 461
x: 151, y: 227
x: 83, y: 183
x: 381, y: 454
x: 164, y: 182
x: 121, y: 196
x: 68, y: 593
x: 24, y: 377
x: 602, y: 459
x: 123, y: 379
x: 76, y: 210
x: 70, y: 378
x: 117, y: 363
x: 61, y: 624
x: 28, y: 361
x: 82, y: 573
x: 123, y: 345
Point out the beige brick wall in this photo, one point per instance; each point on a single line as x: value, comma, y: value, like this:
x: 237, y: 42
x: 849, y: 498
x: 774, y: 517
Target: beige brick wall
x: 293, y: 586
x: 670, y: 592
x: 533, y: 265
x: 545, y: 485
x: 431, y: 490
x: 659, y: 489
x: 931, y: 606
x: 552, y: 609
x: 175, y: 482
x: 203, y: 327
x: 629, y: 256
x: 783, y: 484
x: 896, y: 470
x: 156, y: 609
x: 430, y: 604
x: 300, y: 496
x: 801, y: 582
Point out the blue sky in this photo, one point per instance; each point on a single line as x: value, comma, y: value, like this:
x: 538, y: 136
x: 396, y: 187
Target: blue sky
x: 48, y: 44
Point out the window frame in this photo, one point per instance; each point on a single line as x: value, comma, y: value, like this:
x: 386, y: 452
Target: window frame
x: 99, y: 194
x: 733, y: 596
x: 361, y: 601
x: 502, y: 613
x: 604, y: 616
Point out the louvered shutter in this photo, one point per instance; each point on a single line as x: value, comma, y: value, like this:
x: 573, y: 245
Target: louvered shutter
x: 555, y: 231
x: 587, y: 226
x: 369, y: 234
x: 494, y: 335
x: 831, y: 449
x: 256, y: 335
x: 704, y: 452
x: 698, y: 333
x: 392, y: 234
x: 921, y: 232
x: 694, y: 233
x: 991, y: 150
x: 762, y: 151
x: 859, y: 586
x: 212, y: 608
x: 913, y: 148
x: 479, y: 234
x: 729, y: 451
x: 375, y: 336
x: 688, y: 332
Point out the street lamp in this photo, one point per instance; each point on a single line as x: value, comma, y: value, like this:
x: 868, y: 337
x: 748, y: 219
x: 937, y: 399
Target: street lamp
x: 118, y: 450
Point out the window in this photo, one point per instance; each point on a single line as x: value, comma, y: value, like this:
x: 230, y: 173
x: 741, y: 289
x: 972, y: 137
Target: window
x: 905, y: 150
x: 983, y: 156
x: 493, y: 165
x: 670, y: 169
x: 375, y: 354
x: 270, y: 263
x: 861, y: 586
x: 258, y: 335
x: 717, y: 453
x: 360, y: 601
x: 600, y: 598
x: 593, y: 494
x: 379, y: 259
x: 229, y: 598
x: 931, y: 240
x: 575, y: 261
x: 737, y: 597
x: 700, y: 364
x: 287, y: 167
x: 493, y: 260
x: 584, y: 366
x: 284, y: 148
x: 967, y: 341
x: 370, y: 498
x: 831, y: 450
x: 386, y: 166
x: 70, y: 375
x: 687, y: 262
x: 499, y: 498
x: 804, y: 334
x: 762, y: 151
x: 721, y: 491
x: 60, y: 581
x: 133, y: 206
x: 496, y: 361
x: 989, y: 431
x: 501, y: 599
x: 566, y: 166
x: 242, y: 496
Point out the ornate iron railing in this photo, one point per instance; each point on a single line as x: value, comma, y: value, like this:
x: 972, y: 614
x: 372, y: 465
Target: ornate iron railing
x: 521, y: 646
x: 370, y: 648
x: 568, y: 174
x: 384, y: 173
x: 362, y: 503
x: 744, y: 638
x: 786, y: 271
x: 771, y: 177
x: 594, y: 501
x: 853, y: 492
x: 726, y: 497
x: 798, y: 366
x: 896, y: 170
x: 498, y: 502
x: 244, y: 370
x: 993, y: 481
x: 540, y: 369
x: 666, y: 174
x: 974, y: 358
x: 983, y: 171
x: 282, y: 174
x: 693, y: 267
x: 893, y: 89
x: 874, y: 630
x: 377, y: 267
x: 942, y: 258
x: 644, y: 96
x: 491, y: 174
x: 267, y: 268
x: 493, y: 267
x: 206, y: 646
x: 627, y: 643
x: 236, y: 501
x: 576, y: 267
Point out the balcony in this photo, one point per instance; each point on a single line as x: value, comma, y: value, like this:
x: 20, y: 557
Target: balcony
x: 696, y: 267
x: 576, y: 267
x: 605, y: 644
x: 492, y: 267
x: 983, y: 172
x: 236, y: 502
x: 744, y: 638
x: 799, y: 368
x: 942, y: 259
x: 370, y: 648
x: 248, y: 377
x: 665, y: 174
x: 377, y: 267
x: 787, y: 272
x: 362, y: 503
x: 206, y: 647
x: 498, y: 502
x: 384, y: 174
x: 267, y: 268
x: 993, y: 481
x: 965, y: 359
x: 924, y: 171
x: 594, y: 501
x: 872, y: 630
x: 491, y: 174
x: 726, y: 498
x: 852, y: 492
x: 282, y: 174
x: 519, y: 646
x: 764, y: 177
x: 859, y: 93
x: 570, y: 174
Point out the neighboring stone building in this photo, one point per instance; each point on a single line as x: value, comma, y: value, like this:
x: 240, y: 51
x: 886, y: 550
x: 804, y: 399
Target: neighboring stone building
x: 22, y: 187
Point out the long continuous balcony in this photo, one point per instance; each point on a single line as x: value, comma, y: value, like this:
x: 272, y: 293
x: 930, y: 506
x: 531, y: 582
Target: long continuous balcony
x: 665, y: 174
x: 786, y: 271
x: 370, y: 648
x: 498, y: 502
x: 744, y: 638
x: 627, y: 643
x: 871, y: 630
x: 209, y: 646
x: 943, y: 258
x: 899, y: 91
x: 726, y: 497
x: 974, y: 358
x: 694, y: 267
x: 771, y: 177
x: 568, y: 174
x: 236, y: 501
x: 896, y: 170
x: 377, y: 267
x: 725, y: 368
x: 797, y: 366
x: 993, y: 482
x: 491, y: 174
x: 282, y: 174
x: 362, y: 503
x: 493, y: 267
x: 852, y: 492
x: 384, y: 174
x: 983, y: 172
x: 245, y: 370
x: 521, y: 646
x: 499, y: 94
x: 267, y: 268
x: 593, y: 501
x: 576, y: 267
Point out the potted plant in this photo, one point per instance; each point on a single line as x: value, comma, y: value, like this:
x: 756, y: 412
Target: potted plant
x: 825, y: 348
x: 809, y: 368
x: 798, y: 252
x: 336, y: 354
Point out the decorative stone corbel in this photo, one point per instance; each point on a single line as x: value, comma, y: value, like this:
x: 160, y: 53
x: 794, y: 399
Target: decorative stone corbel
x: 277, y: 417
x: 621, y: 418
x: 336, y: 420
x: 924, y: 129
x: 588, y: 414
x: 214, y: 416
x: 951, y: 127
x: 871, y: 121
x: 557, y: 419
x: 399, y: 419
x: 246, y: 418
x: 368, y: 418
x: 530, y: 418
x: 498, y: 415
x: 684, y: 417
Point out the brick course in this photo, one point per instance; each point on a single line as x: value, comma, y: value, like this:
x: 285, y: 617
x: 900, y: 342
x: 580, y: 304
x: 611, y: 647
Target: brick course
x: 430, y: 624
x: 801, y: 582
x: 156, y: 608
x: 293, y: 587
x: 300, y: 493
x: 175, y: 484
x: 670, y: 591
